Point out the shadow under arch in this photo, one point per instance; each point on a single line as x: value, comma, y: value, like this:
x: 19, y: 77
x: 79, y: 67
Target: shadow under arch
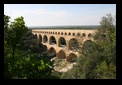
x: 51, y: 52
x: 35, y: 36
x: 61, y: 54
x: 52, y: 40
x: 71, y: 58
x: 40, y: 37
x: 45, y: 39
x: 73, y: 44
x: 62, y: 42
x: 88, y: 46
x: 45, y: 47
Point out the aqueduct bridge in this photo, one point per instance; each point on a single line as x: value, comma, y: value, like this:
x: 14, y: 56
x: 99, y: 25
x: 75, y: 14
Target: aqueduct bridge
x: 63, y: 42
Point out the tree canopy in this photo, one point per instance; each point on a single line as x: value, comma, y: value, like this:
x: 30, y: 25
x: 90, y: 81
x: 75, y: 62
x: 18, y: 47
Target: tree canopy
x: 98, y: 58
x: 21, y: 50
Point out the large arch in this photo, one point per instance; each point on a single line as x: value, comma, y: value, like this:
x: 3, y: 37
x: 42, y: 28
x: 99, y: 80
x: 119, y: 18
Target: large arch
x: 35, y: 36
x: 51, y: 52
x: 89, y: 35
x: 61, y: 54
x: 88, y: 46
x: 71, y: 58
x: 45, y: 47
x: 40, y: 38
x: 73, y: 44
x: 62, y: 42
x: 45, y: 39
x: 52, y: 40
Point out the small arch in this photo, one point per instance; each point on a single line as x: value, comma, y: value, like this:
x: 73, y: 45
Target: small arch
x: 71, y: 58
x: 89, y: 35
x: 78, y: 34
x: 58, y: 33
x: 69, y: 33
x: 65, y: 33
x: 73, y: 34
x: 45, y: 39
x: 52, y: 40
x: 61, y: 54
x: 61, y: 33
x: 55, y: 32
x: 83, y: 35
x: 51, y: 32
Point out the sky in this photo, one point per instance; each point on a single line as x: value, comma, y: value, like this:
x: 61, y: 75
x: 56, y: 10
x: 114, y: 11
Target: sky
x: 59, y: 14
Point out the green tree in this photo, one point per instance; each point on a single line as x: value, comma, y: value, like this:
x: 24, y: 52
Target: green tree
x: 98, y: 58
x: 15, y: 30
x: 18, y: 43
x: 27, y: 66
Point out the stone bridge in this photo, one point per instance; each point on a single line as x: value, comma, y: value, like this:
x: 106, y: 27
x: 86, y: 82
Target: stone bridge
x: 63, y: 43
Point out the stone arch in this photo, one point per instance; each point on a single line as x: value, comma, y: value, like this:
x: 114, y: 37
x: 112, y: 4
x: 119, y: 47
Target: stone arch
x: 73, y: 34
x: 35, y: 36
x: 40, y: 37
x: 61, y: 54
x: 89, y: 35
x: 61, y: 42
x: 58, y: 33
x: 61, y: 33
x: 52, y: 40
x: 45, y: 48
x: 45, y: 39
x: 87, y: 41
x: 78, y: 34
x: 55, y: 32
x: 83, y: 35
x: 87, y: 46
x: 51, y: 52
x: 65, y: 33
x: 71, y: 58
x: 73, y: 44
x: 69, y: 33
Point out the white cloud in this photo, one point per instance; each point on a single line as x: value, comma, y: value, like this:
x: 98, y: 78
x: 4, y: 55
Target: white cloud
x: 40, y: 16
x: 39, y: 11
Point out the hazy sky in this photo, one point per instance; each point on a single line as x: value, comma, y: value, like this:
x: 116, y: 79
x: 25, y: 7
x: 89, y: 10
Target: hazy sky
x: 59, y: 14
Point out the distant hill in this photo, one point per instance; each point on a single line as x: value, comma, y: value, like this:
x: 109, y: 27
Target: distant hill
x: 65, y: 27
